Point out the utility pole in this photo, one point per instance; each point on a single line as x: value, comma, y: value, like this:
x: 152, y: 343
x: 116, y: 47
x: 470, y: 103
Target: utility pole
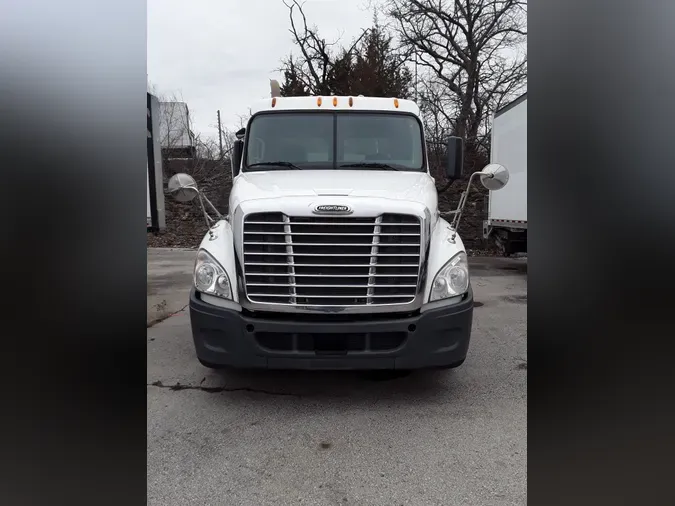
x: 220, y: 136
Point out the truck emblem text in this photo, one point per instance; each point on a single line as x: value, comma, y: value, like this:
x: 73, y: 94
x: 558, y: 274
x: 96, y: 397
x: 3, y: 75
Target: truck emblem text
x: 332, y: 209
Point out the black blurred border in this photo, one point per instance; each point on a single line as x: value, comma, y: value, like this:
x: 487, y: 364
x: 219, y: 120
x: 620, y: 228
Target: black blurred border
x: 601, y: 199
x: 73, y: 102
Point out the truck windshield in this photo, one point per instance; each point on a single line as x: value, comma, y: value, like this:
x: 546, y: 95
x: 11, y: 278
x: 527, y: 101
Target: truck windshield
x: 335, y: 140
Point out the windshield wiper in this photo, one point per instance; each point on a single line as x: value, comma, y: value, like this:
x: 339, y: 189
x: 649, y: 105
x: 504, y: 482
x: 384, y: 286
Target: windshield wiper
x: 277, y: 164
x: 370, y: 165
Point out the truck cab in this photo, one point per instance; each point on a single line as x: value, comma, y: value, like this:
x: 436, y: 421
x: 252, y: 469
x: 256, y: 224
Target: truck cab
x: 333, y: 254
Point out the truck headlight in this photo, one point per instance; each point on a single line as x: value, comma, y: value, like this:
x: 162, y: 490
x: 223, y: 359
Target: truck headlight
x: 210, y: 277
x: 452, y: 280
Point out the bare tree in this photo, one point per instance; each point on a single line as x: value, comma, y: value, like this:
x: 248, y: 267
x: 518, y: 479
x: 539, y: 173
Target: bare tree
x: 370, y: 65
x: 473, y: 52
x: 439, y: 124
x: 228, y: 137
x: 243, y: 119
x: 311, y: 72
x: 207, y: 148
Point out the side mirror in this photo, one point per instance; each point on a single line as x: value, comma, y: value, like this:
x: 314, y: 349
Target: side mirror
x: 237, y: 153
x: 182, y: 187
x: 494, y: 176
x: 455, y: 163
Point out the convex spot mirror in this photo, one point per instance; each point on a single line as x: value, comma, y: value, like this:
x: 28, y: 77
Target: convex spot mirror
x: 182, y: 187
x: 494, y: 177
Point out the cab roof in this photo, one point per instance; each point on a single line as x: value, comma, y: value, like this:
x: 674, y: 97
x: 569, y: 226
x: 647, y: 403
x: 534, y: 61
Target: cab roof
x: 327, y: 103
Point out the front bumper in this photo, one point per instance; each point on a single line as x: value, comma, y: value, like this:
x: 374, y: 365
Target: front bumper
x: 436, y: 338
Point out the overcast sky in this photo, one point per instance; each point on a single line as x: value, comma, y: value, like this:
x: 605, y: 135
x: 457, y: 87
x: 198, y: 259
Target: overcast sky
x: 221, y: 54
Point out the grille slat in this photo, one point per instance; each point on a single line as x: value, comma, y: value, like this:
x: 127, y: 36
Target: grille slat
x: 289, y: 260
x: 374, y: 253
x: 265, y: 253
x: 263, y: 243
x: 360, y: 234
x: 347, y: 224
x: 333, y: 275
x: 333, y: 286
x: 325, y: 296
x: 323, y: 265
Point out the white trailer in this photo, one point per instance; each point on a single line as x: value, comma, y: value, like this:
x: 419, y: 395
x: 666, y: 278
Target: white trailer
x: 176, y: 137
x: 156, y: 218
x: 507, y: 209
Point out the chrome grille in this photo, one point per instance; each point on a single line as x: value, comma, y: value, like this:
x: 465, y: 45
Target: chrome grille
x: 331, y: 261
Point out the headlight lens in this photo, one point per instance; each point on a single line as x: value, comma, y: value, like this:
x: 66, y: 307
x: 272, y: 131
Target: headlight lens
x: 452, y: 280
x: 210, y: 277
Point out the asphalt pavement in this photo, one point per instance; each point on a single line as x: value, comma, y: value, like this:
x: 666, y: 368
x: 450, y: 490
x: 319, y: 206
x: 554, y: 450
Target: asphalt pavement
x: 455, y: 437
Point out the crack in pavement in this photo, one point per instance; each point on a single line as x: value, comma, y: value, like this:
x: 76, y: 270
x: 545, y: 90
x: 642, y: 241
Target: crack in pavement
x: 215, y: 390
x: 166, y: 317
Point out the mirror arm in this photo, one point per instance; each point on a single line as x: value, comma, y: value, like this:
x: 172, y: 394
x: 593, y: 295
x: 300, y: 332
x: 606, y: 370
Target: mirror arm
x: 209, y: 221
x: 206, y: 215
x: 460, y: 206
x: 218, y: 215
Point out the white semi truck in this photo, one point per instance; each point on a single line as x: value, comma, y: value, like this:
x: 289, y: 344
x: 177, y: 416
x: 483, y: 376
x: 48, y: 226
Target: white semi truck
x: 333, y: 254
x: 507, y: 210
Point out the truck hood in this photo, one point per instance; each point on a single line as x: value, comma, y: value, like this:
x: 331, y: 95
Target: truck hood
x: 409, y: 186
